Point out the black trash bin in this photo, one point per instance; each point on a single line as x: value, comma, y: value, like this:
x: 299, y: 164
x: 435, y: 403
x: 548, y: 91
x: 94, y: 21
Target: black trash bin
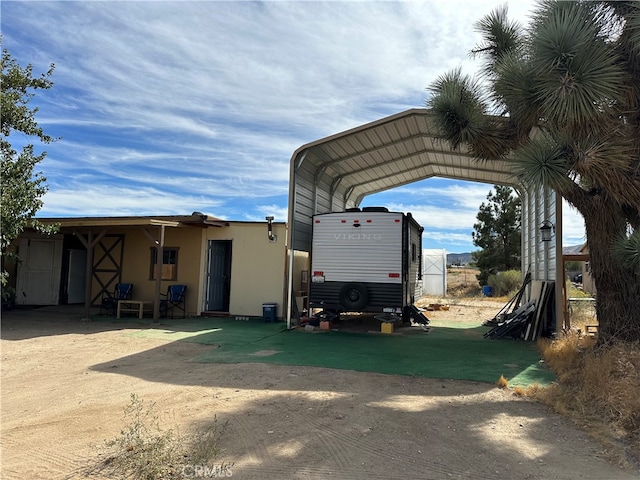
x: 269, y: 312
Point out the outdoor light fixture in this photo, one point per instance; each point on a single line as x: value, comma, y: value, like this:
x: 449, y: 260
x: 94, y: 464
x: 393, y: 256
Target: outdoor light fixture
x: 272, y: 238
x: 547, y: 229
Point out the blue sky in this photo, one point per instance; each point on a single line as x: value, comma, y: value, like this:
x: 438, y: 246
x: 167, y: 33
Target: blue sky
x: 172, y: 107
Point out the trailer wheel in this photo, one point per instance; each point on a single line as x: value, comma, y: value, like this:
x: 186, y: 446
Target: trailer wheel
x: 354, y: 297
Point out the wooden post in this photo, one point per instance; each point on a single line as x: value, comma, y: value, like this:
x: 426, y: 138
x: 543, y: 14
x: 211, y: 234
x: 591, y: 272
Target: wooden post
x: 159, y: 261
x: 159, y: 245
x: 89, y: 243
x: 88, y: 275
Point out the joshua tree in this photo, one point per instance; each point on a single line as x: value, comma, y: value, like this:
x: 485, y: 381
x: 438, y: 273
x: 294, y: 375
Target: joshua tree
x: 562, y: 99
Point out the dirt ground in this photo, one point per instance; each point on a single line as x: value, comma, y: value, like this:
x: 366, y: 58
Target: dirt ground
x: 65, y: 383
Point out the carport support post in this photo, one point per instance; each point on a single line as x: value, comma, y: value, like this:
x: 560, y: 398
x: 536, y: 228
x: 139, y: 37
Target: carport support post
x: 290, y: 287
x: 562, y: 319
x: 88, y: 275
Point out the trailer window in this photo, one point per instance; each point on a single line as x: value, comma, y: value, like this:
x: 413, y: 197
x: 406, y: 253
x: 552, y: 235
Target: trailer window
x: 414, y: 254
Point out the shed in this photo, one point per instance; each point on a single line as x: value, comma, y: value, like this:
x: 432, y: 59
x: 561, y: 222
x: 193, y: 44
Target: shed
x: 434, y: 272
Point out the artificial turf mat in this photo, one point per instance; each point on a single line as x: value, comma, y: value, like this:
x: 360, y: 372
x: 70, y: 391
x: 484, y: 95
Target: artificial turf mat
x: 460, y: 353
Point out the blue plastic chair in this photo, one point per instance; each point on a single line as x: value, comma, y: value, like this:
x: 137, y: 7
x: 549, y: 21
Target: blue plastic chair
x: 122, y: 291
x: 174, y: 300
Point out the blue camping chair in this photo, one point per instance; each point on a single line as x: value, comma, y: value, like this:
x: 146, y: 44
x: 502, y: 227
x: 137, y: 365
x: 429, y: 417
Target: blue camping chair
x: 122, y: 291
x: 174, y: 300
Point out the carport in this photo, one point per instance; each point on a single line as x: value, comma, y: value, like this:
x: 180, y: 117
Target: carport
x: 339, y: 171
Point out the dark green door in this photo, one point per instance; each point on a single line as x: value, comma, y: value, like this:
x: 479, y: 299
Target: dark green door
x: 218, y: 276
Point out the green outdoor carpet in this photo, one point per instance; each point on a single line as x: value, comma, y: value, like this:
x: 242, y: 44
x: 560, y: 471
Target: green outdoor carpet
x: 455, y: 353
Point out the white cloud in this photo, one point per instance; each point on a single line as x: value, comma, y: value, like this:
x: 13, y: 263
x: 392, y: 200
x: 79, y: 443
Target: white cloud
x: 430, y: 217
x: 277, y: 211
x: 321, y: 65
x: 171, y: 107
x: 440, y: 207
x: 573, y: 232
x: 96, y: 201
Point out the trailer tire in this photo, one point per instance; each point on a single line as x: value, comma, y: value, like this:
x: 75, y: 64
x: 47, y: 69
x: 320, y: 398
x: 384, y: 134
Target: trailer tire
x: 354, y: 297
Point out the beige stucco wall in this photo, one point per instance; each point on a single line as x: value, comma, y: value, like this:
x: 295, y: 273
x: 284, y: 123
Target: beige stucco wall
x: 257, y: 266
x: 136, y: 263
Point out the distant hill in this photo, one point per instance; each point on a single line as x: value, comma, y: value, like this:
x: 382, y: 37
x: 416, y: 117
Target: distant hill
x: 458, y: 258
x: 465, y: 258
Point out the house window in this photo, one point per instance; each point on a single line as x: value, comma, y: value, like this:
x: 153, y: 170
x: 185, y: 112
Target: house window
x: 169, y: 263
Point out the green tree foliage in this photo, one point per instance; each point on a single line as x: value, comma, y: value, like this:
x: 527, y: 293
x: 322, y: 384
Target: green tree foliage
x: 497, y: 233
x: 22, y: 186
x: 564, y: 95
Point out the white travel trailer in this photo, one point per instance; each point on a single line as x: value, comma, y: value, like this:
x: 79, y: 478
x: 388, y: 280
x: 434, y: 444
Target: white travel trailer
x: 367, y: 260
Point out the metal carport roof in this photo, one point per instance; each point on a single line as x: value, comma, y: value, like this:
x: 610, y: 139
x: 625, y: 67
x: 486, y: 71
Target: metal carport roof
x: 337, y: 172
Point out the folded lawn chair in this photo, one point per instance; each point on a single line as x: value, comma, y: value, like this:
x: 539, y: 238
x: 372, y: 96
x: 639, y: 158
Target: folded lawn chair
x: 122, y: 291
x: 174, y: 300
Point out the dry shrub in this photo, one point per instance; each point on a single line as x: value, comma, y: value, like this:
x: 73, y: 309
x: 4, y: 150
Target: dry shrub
x: 581, y: 313
x: 505, y: 283
x: 502, y: 382
x: 564, y: 355
x: 613, y: 374
x: 145, y: 451
x: 598, y: 386
x: 519, y: 391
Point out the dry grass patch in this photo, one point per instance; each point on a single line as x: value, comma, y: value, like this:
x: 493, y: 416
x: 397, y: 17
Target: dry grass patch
x: 581, y: 313
x: 502, y: 382
x: 599, y: 388
x: 462, y: 282
x: 145, y: 451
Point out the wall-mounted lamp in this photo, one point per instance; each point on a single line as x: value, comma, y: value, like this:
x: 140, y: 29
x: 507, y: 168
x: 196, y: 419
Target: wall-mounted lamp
x: 547, y: 230
x: 272, y: 238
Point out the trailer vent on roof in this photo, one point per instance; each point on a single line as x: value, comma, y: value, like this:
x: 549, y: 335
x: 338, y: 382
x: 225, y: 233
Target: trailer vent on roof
x: 375, y: 209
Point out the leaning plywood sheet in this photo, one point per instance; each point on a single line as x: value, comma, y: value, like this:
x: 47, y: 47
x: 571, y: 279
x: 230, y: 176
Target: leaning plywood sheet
x: 537, y: 287
x: 542, y: 303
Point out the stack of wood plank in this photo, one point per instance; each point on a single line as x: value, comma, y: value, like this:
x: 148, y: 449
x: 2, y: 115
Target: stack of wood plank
x: 522, y: 319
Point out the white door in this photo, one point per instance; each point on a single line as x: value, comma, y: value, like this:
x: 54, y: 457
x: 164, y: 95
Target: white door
x: 38, y: 279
